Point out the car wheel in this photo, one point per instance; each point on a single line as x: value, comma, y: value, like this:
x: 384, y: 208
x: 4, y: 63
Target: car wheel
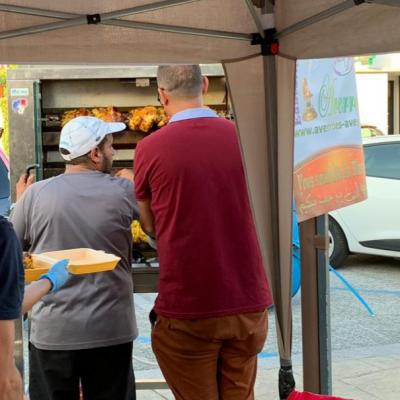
x: 338, y: 248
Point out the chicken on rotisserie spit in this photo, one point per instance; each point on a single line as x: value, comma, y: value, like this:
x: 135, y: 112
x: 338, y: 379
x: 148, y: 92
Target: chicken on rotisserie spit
x: 146, y: 118
x: 109, y: 114
x: 71, y: 114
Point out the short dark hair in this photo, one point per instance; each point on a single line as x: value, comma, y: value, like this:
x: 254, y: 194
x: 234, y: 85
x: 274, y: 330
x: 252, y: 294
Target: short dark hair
x: 85, y: 158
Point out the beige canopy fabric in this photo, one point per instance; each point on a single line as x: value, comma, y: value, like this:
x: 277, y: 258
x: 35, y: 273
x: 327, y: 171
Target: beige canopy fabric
x: 344, y: 28
x: 208, y: 31
x: 250, y: 103
x: 85, y: 43
x: 340, y: 28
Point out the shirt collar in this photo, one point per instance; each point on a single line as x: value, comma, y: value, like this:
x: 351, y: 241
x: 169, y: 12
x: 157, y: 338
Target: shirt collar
x: 191, y: 113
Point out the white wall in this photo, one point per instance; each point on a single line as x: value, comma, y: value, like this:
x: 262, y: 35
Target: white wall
x: 372, y: 90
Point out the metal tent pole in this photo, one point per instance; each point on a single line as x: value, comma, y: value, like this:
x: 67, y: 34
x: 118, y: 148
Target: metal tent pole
x: 159, y: 5
x: 82, y: 20
x: 271, y: 119
x: 315, y: 306
x: 286, y: 381
x: 345, y: 5
x: 256, y: 19
x: 392, y: 3
x: 109, y: 19
x: 109, y: 15
x: 43, y: 28
x: 180, y: 29
x: 37, y: 12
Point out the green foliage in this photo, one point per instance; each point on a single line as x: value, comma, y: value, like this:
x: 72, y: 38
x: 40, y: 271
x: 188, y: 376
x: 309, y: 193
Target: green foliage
x: 5, y: 140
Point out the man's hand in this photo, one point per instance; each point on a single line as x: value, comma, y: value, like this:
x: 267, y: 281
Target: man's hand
x: 11, y: 384
x: 23, y: 183
x: 57, y: 275
x: 125, y: 173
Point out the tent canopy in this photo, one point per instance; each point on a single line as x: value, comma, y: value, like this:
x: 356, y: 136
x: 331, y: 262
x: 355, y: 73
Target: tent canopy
x: 209, y: 31
x: 79, y: 42
x: 307, y: 29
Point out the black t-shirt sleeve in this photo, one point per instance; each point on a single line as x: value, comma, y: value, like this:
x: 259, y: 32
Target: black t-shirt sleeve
x: 11, y: 273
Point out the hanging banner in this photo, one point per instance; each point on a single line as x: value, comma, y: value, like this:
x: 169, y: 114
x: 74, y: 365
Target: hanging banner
x: 329, y: 171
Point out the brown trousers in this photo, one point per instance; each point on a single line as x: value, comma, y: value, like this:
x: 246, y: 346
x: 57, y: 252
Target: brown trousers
x: 210, y: 359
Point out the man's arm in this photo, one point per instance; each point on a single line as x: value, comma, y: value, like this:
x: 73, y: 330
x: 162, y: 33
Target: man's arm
x: 146, y: 217
x: 33, y: 293
x: 10, y: 379
x: 52, y: 281
x: 125, y: 173
x: 143, y: 190
x: 23, y: 183
x: 17, y: 216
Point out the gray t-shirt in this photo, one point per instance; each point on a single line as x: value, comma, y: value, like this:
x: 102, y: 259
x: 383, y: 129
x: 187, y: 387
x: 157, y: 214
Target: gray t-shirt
x: 86, y: 209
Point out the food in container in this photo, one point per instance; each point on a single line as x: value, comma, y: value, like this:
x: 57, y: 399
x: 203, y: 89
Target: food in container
x: 81, y: 261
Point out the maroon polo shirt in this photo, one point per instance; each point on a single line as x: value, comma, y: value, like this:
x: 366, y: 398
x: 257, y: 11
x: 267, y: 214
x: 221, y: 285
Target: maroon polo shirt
x: 210, y: 261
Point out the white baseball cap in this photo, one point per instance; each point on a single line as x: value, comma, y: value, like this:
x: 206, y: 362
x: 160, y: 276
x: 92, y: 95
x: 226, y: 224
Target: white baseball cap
x: 82, y: 134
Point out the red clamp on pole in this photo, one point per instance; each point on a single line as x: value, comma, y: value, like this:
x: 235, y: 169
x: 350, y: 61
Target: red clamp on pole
x: 269, y: 43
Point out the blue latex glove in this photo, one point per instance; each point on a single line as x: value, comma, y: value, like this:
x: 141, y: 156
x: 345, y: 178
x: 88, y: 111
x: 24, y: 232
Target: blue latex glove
x: 57, y: 275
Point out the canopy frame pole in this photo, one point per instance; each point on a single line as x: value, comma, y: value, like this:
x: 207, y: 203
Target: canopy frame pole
x: 43, y: 28
x: 179, y: 29
x: 83, y: 20
x: 337, y: 9
x: 75, y: 19
x: 272, y: 149
x: 37, y: 12
x: 271, y: 108
x: 315, y: 306
x: 390, y: 3
x: 256, y: 19
x: 105, y: 16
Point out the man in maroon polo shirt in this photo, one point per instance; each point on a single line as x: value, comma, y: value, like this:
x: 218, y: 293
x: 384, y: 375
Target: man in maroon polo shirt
x: 213, y: 291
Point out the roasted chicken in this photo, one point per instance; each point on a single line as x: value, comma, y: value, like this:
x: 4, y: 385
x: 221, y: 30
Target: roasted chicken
x: 109, y: 114
x: 146, y: 118
x: 68, y: 115
x: 138, y: 234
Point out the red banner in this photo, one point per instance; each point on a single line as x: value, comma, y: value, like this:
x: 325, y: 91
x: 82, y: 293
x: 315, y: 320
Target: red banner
x: 329, y: 180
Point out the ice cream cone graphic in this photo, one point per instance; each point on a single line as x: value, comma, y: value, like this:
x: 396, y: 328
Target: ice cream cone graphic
x: 309, y: 112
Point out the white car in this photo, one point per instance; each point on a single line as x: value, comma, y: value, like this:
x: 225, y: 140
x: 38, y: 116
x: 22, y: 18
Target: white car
x: 373, y: 225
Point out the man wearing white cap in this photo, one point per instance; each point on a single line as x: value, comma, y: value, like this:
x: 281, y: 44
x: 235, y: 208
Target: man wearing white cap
x: 82, y: 334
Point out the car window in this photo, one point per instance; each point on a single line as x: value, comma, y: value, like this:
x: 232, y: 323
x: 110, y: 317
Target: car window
x: 383, y: 160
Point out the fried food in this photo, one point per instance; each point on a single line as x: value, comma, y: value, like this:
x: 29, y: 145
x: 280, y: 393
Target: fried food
x: 162, y: 117
x: 224, y: 114
x: 145, y: 118
x: 68, y: 115
x: 108, y: 114
x: 28, y: 262
x: 138, y: 234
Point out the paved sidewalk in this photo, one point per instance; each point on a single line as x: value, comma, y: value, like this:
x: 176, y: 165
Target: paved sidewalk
x: 359, y: 374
